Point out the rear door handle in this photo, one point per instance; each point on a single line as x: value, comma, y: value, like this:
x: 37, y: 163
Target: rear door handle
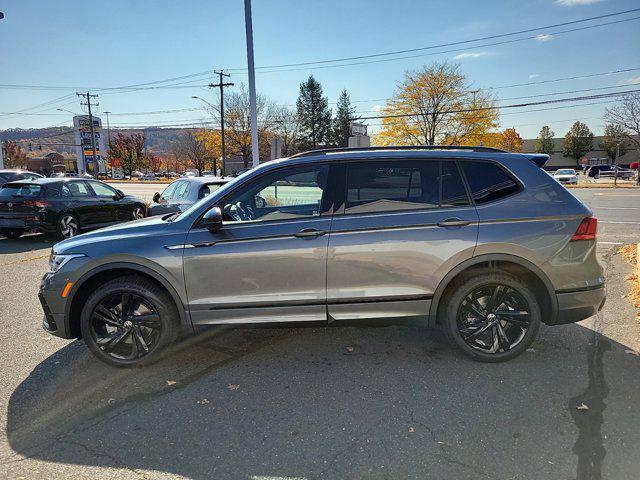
x: 309, y: 232
x: 454, y: 222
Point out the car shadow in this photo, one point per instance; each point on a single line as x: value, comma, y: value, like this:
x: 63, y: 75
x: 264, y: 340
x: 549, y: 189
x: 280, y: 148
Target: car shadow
x: 394, y: 402
x: 25, y: 243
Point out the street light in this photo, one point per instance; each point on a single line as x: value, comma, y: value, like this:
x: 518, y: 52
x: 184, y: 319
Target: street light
x: 224, y: 160
x: 68, y: 111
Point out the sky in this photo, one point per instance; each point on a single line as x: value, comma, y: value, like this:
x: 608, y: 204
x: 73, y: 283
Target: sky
x: 50, y: 50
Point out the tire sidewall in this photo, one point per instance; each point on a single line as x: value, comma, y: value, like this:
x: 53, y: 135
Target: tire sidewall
x: 151, y: 294
x: 477, y: 281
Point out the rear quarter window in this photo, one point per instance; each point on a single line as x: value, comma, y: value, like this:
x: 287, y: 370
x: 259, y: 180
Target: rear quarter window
x: 488, y: 182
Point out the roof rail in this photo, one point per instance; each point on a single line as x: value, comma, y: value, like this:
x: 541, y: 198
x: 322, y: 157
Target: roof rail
x: 324, y: 151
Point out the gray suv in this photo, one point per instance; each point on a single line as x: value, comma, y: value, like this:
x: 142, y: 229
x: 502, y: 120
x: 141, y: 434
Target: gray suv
x: 481, y: 242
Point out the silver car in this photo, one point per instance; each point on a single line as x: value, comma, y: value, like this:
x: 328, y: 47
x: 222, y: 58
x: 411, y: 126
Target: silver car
x: 184, y: 192
x: 479, y: 242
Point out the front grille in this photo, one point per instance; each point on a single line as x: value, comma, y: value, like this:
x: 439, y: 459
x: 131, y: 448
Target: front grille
x: 50, y: 323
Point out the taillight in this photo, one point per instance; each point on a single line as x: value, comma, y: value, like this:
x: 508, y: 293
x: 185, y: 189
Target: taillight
x: 587, y: 230
x: 37, y: 203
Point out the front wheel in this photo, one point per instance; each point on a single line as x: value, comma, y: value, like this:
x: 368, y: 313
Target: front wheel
x: 128, y: 321
x: 491, y: 316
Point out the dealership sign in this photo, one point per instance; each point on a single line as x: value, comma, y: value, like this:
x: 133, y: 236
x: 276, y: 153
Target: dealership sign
x: 84, y: 144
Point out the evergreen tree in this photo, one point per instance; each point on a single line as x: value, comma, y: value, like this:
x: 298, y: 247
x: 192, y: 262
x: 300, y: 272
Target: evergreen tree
x: 314, y: 114
x: 545, y: 142
x: 578, y: 141
x: 342, y: 121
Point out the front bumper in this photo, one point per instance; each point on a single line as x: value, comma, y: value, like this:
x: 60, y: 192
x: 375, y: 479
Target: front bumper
x: 578, y: 305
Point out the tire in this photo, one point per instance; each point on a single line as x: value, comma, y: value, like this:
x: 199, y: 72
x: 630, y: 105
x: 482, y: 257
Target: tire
x: 461, y: 321
x: 11, y: 233
x: 137, y: 212
x: 67, y: 226
x: 116, y: 341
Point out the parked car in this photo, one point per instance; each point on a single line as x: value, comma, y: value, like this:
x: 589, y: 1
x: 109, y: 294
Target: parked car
x: 71, y: 175
x: 481, y: 242
x: 566, y: 175
x: 147, y: 177
x: 597, y: 171
x: 11, y: 175
x: 189, y: 173
x: 182, y: 193
x: 63, y: 206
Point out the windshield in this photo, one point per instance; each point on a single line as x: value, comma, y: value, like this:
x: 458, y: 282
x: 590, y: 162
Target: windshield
x: 20, y: 190
x: 566, y: 172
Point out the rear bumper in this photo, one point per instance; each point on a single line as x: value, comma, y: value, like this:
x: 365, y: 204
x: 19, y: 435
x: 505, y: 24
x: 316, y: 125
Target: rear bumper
x: 25, y: 224
x: 578, y: 305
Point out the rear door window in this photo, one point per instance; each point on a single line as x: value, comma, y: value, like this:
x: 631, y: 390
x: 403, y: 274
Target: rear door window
x: 207, y: 190
x: 75, y: 189
x: 488, y: 182
x: 182, y: 190
x: 454, y: 194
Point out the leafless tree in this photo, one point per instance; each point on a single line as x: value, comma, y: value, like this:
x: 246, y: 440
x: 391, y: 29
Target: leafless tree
x: 193, y: 151
x: 626, y: 116
x: 287, y: 126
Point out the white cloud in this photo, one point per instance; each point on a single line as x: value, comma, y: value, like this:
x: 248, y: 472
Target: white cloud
x: 377, y: 108
x: 630, y: 81
x: 544, y: 37
x: 573, y: 3
x: 462, y: 56
x: 534, y: 75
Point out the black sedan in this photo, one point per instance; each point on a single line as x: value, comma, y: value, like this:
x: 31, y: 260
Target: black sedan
x: 184, y: 192
x: 63, y: 206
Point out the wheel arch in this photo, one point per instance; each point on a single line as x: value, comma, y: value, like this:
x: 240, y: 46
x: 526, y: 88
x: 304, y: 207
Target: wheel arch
x: 103, y: 273
x: 544, y: 287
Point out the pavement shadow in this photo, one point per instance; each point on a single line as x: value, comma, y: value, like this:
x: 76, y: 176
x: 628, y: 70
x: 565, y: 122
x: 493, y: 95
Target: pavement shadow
x: 26, y: 243
x: 394, y: 402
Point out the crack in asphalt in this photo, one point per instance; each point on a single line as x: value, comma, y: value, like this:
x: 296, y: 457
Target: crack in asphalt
x: 589, y: 446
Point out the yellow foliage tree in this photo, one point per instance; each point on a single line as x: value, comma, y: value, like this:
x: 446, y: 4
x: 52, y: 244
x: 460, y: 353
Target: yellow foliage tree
x: 212, y: 141
x: 510, y: 140
x: 435, y: 105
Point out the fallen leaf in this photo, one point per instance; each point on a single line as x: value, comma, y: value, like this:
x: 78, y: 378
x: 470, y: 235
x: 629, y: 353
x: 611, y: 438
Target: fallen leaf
x: 411, y: 429
x: 582, y: 406
x: 111, y: 401
x: 171, y: 382
x: 233, y: 386
x: 350, y: 349
x: 531, y: 350
x: 204, y: 401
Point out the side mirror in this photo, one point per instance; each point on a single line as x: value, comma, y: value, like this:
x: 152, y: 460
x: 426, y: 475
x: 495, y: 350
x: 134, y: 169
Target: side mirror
x: 156, y: 197
x: 213, y: 219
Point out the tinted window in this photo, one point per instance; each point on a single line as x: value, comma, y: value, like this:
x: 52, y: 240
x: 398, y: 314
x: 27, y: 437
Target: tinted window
x: 396, y: 185
x: 20, y: 190
x: 488, y: 181
x: 286, y: 194
x: 75, y: 189
x: 453, y: 192
x: 102, y: 190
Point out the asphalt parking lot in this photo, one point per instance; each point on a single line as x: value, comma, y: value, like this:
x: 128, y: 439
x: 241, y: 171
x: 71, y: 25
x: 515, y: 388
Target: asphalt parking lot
x: 337, y: 403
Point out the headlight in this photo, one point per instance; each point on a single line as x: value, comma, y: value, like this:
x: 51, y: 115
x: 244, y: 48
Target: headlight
x: 56, y: 262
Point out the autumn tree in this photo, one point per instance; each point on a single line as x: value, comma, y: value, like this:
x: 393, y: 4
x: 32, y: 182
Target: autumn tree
x: 626, y: 117
x: 510, y: 140
x: 13, y: 154
x: 345, y: 114
x: 212, y: 140
x: 314, y: 114
x: 287, y: 126
x: 193, y: 150
x: 545, y: 142
x: 436, y: 105
x: 127, y: 151
x: 578, y: 141
x: 152, y: 162
x: 614, y: 138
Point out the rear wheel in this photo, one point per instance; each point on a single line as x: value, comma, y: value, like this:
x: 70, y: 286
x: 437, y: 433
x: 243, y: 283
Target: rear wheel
x: 11, y: 233
x: 137, y: 213
x: 128, y: 321
x: 67, y: 226
x: 491, y: 316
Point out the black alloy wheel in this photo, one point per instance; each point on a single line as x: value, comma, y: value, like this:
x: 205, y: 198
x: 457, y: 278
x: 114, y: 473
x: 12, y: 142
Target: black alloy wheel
x: 125, y: 326
x: 491, y: 315
x: 129, y: 320
x: 493, y: 318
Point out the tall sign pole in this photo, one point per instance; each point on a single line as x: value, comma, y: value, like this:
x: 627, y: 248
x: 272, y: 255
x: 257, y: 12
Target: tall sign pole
x: 252, y: 84
x: 93, y: 133
x: 221, y: 84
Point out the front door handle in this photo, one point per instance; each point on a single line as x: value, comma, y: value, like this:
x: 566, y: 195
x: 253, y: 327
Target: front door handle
x: 309, y: 232
x: 454, y: 222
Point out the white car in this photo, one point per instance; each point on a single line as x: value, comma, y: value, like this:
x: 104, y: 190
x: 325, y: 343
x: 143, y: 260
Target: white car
x: 566, y: 175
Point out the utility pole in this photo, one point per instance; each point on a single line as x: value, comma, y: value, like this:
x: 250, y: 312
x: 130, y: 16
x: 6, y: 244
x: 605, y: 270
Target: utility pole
x: 615, y: 178
x: 252, y: 83
x: 221, y: 85
x: 109, y: 140
x: 88, y: 104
